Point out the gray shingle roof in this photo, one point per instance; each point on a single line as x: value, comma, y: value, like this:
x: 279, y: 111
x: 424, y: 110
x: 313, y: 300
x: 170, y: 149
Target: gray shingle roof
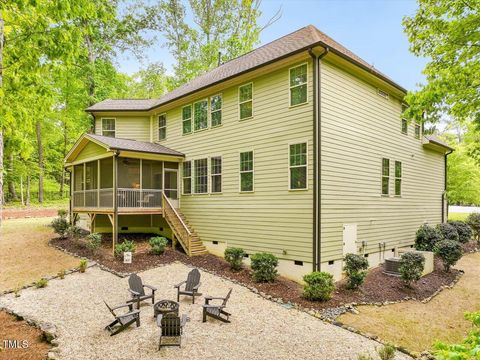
x: 287, y: 45
x: 435, y: 140
x: 134, y: 145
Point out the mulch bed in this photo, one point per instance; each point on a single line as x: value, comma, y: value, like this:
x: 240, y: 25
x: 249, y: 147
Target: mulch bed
x: 377, y: 288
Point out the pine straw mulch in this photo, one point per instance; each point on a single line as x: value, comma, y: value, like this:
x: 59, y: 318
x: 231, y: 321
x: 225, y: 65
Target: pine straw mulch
x: 377, y: 288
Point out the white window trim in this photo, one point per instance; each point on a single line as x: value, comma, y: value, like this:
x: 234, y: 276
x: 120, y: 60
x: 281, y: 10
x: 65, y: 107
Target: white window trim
x: 194, y: 176
x: 395, y: 179
x: 210, y: 111
x: 243, y: 102
x: 159, y: 127
x: 289, y: 167
x: 417, y: 125
x: 191, y: 119
x: 211, y: 174
x: 401, y: 126
x: 290, y: 87
x: 193, y: 115
x: 114, y: 121
x: 240, y: 172
x: 382, y: 176
x: 186, y: 177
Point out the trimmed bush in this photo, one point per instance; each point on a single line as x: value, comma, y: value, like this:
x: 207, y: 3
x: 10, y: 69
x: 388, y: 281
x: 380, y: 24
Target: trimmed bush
x: 264, y: 267
x: 448, y: 231
x: 474, y: 221
x: 355, y: 268
x: 94, y: 240
x: 41, y: 283
x: 463, y: 229
x: 125, y: 246
x: 411, y: 267
x: 426, y: 238
x: 449, y: 251
x: 234, y: 257
x: 318, y: 286
x: 60, y: 226
x: 62, y: 213
x: 158, y: 244
x: 83, y: 265
x: 74, y: 232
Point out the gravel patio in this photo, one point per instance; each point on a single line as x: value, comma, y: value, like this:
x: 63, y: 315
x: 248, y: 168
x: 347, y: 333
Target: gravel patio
x: 260, y: 329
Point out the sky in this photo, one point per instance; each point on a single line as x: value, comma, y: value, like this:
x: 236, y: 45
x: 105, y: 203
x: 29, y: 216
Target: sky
x: 372, y: 29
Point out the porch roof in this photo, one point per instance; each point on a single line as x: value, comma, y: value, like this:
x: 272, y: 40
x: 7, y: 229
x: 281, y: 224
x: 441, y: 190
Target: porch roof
x: 111, y: 144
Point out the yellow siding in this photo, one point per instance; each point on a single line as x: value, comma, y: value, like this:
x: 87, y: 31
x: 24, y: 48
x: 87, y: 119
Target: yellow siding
x: 359, y: 128
x: 89, y: 151
x: 272, y: 218
x: 128, y: 127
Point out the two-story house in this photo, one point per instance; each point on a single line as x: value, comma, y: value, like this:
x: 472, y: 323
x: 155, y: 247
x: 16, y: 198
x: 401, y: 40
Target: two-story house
x: 297, y: 148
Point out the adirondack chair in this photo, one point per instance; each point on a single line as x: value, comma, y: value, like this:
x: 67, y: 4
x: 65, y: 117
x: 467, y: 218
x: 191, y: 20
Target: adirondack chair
x: 171, y: 329
x: 122, y: 321
x: 216, y: 311
x: 137, y: 290
x: 191, y: 286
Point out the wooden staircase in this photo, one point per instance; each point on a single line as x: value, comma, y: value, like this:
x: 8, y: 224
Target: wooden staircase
x: 183, y: 232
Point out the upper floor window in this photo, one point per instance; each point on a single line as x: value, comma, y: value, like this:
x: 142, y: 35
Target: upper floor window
x: 216, y: 110
x: 246, y: 171
x: 200, y: 115
x: 201, y: 176
x: 298, y: 85
x: 216, y: 174
x: 298, y: 166
x: 385, y: 176
x: 187, y: 119
x: 398, y: 178
x: 245, y: 101
x: 108, y: 127
x: 418, y: 131
x: 404, y: 126
x: 187, y: 177
x: 162, y: 127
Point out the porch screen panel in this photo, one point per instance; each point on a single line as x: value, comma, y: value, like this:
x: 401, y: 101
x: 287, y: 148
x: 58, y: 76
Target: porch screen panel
x: 151, y: 174
x: 128, y: 173
x: 91, y: 183
x: 78, y: 186
x: 106, y: 182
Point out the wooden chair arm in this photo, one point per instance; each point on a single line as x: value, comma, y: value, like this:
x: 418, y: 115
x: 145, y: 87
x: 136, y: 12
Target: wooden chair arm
x: 153, y: 288
x: 197, y: 286
x: 213, y: 306
x: 122, y: 306
x: 179, y: 284
x: 184, y: 320
x: 134, y: 293
x: 134, y: 312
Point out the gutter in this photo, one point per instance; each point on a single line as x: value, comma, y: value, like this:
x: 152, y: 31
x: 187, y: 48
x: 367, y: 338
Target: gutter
x: 317, y: 160
x: 444, y: 193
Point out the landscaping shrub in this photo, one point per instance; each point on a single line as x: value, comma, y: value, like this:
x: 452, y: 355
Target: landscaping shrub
x: 158, y: 244
x: 474, y: 221
x: 355, y: 266
x: 61, y: 274
x: 449, y: 251
x: 234, y: 257
x: 94, y: 240
x: 41, y: 283
x: 60, y: 226
x: 386, y: 352
x: 74, y: 232
x: 318, y: 286
x: 125, y: 246
x: 463, y: 229
x: 83, y: 265
x: 426, y: 238
x: 411, y: 267
x: 448, y: 231
x: 264, y: 266
x: 364, y: 357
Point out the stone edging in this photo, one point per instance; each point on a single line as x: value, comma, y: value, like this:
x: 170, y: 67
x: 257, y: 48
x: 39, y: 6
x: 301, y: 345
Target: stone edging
x: 49, y: 331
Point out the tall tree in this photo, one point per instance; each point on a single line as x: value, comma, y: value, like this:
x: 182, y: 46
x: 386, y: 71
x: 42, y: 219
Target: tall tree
x: 448, y: 33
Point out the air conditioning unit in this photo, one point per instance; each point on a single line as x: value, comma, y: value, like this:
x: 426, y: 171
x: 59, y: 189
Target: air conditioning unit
x: 392, y: 266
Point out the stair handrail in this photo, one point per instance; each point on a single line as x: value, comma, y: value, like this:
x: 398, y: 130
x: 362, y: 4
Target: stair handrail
x: 176, y: 214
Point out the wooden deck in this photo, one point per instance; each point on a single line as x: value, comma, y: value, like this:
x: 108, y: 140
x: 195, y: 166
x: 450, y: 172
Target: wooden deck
x: 121, y: 211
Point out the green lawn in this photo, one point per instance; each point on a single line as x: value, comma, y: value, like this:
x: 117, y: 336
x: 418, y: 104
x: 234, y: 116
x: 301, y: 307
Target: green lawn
x: 457, y: 216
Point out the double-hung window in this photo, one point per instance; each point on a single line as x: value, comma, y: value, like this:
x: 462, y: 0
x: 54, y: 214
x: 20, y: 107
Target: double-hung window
x: 246, y: 171
x: 298, y: 166
x: 162, y: 127
x: 187, y: 119
x: 418, y: 131
x: 187, y: 177
x: 385, y: 176
x: 398, y: 178
x: 200, y: 115
x: 201, y: 176
x: 404, y: 126
x: 108, y: 127
x: 216, y: 110
x: 245, y: 101
x: 298, y: 85
x: 216, y: 174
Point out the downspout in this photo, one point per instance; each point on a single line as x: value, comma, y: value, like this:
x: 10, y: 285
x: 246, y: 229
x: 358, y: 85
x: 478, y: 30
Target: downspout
x: 316, y: 241
x: 115, y: 201
x: 444, y: 193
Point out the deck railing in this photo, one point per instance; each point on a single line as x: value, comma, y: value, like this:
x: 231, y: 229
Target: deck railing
x: 126, y: 198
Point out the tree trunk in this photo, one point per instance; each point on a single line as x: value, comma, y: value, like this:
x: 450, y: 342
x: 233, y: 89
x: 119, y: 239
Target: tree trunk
x: 27, y: 201
x: 11, y: 183
x: 21, y: 190
x: 91, y: 77
x: 40, y: 162
x: 62, y: 184
x: 1, y: 125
